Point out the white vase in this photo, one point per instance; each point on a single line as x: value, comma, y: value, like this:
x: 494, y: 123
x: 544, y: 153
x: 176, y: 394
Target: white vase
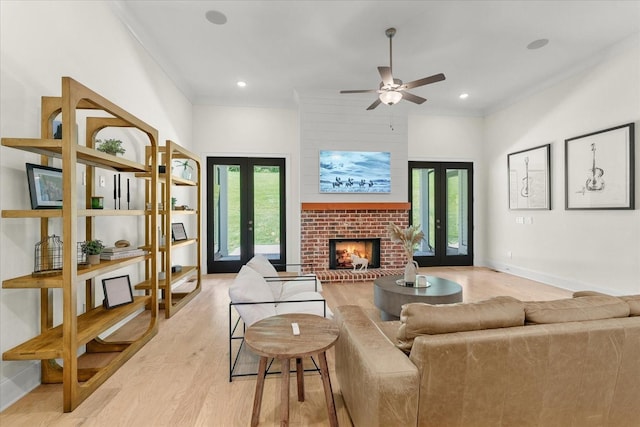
x: 410, y: 271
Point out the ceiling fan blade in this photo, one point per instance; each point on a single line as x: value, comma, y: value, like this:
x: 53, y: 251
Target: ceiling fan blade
x: 427, y: 80
x: 360, y: 91
x: 413, y: 98
x: 385, y: 73
x: 375, y: 104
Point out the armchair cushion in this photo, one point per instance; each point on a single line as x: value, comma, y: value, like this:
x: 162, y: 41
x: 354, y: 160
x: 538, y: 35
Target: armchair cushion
x: 312, y: 303
x: 283, y: 289
x: 249, y: 286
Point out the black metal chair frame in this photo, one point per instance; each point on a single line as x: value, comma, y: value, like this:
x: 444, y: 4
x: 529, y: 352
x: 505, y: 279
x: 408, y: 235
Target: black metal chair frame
x: 236, y: 334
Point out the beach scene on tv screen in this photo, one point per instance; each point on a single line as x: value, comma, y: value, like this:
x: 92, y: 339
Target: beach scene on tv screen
x: 355, y: 172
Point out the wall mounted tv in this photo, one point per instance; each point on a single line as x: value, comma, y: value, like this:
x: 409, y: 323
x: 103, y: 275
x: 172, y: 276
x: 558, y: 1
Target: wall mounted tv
x: 355, y: 172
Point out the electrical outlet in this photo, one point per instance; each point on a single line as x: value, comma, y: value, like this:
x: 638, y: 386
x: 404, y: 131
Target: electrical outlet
x: 103, y: 182
x: 528, y: 220
x: 519, y: 220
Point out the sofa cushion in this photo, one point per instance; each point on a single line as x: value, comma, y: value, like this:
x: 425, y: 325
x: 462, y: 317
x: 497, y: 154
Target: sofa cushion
x: 425, y: 319
x: 249, y: 286
x: 282, y: 289
x: 591, y: 307
x: 634, y: 304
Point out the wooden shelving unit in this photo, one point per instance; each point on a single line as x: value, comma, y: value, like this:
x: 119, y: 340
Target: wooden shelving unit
x: 172, y: 299
x: 84, y: 329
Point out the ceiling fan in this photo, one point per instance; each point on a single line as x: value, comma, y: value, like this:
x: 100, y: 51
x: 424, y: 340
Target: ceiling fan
x: 392, y: 91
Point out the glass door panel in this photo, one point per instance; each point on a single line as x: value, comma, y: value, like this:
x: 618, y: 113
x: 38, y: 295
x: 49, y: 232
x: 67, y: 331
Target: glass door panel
x: 441, y: 203
x: 245, y: 212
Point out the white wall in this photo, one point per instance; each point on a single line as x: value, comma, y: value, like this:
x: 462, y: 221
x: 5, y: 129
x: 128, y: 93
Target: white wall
x: 597, y: 249
x: 253, y: 132
x: 39, y: 43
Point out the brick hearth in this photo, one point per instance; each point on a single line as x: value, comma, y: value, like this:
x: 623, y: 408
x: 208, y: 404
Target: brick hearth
x: 322, y: 221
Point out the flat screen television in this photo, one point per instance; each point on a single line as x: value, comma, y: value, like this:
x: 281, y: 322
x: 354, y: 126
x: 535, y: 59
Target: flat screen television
x: 355, y: 171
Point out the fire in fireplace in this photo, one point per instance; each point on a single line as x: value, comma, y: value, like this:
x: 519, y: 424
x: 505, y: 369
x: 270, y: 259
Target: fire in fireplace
x: 340, y: 251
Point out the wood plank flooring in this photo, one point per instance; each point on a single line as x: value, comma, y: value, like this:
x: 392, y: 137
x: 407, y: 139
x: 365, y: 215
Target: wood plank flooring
x: 180, y: 378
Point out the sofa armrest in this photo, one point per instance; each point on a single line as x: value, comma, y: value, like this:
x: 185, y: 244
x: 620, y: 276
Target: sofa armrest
x: 379, y: 383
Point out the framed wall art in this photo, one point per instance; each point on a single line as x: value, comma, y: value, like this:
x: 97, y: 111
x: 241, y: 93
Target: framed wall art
x: 355, y: 171
x: 177, y: 231
x: 117, y: 291
x: 529, y: 178
x: 45, y: 186
x: 599, y: 169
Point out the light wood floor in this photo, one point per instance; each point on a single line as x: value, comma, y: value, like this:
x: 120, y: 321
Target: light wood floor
x: 180, y: 378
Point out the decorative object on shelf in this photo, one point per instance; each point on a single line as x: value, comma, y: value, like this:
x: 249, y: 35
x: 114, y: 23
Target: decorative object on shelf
x: 410, y: 237
x: 117, y: 291
x: 599, y: 169
x: 177, y: 232
x: 48, y: 257
x: 187, y: 169
x: 110, y: 146
x: 93, y: 249
x: 45, y: 186
x: 122, y: 244
x: 97, y: 202
x: 529, y: 178
x: 173, y: 203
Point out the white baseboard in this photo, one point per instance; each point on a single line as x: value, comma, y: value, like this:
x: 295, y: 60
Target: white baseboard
x: 16, y: 387
x: 559, y: 282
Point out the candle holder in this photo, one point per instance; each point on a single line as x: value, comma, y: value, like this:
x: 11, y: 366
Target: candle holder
x: 97, y: 202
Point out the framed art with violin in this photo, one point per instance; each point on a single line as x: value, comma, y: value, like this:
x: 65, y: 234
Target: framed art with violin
x: 599, y: 169
x: 529, y: 178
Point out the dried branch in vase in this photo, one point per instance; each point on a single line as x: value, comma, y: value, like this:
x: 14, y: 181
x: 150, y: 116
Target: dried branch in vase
x: 410, y: 237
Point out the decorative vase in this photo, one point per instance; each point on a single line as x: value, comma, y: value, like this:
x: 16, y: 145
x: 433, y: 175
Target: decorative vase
x: 410, y: 271
x: 93, y: 259
x: 186, y: 173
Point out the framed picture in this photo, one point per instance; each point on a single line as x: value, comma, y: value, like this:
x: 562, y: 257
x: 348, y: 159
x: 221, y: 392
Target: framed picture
x: 177, y: 231
x: 599, y: 169
x: 117, y: 291
x: 529, y: 178
x: 45, y: 186
x: 355, y: 172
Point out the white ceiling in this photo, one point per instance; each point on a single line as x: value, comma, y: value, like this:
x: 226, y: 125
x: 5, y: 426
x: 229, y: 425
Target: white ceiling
x: 283, y: 47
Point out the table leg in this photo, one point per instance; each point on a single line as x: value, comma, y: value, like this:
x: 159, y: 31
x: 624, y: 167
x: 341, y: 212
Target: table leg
x: 284, y: 394
x: 328, y: 393
x: 257, y: 400
x: 300, y: 376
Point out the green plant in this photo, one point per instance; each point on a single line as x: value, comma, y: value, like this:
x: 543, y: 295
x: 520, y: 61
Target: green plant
x: 110, y: 146
x: 185, y: 164
x: 92, y: 247
x: 409, y: 237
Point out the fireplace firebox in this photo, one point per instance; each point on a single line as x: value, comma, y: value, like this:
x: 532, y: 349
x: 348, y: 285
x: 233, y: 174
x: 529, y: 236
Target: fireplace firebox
x: 340, y: 251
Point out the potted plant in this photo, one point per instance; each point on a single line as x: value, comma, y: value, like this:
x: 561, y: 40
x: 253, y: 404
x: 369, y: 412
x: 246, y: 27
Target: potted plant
x: 409, y: 237
x: 186, y: 168
x: 93, y: 249
x: 110, y: 146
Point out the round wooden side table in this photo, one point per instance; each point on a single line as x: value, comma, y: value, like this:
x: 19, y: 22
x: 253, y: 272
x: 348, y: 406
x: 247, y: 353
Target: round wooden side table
x: 273, y: 338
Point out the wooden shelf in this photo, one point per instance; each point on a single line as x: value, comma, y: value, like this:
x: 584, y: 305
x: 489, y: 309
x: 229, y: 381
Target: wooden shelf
x: 28, y: 281
x: 175, y: 277
x: 85, y: 155
x: 57, y: 213
x: 175, y: 180
x: 49, y: 345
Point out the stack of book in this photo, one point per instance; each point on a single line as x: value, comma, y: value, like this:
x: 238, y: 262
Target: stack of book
x: 112, y: 253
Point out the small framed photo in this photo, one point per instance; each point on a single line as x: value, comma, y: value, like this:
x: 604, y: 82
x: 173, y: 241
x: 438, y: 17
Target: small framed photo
x: 529, y: 178
x: 117, y: 291
x: 599, y: 169
x: 177, y: 231
x: 45, y: 186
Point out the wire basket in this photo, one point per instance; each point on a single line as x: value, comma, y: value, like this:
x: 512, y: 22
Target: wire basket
x: 48, y: 257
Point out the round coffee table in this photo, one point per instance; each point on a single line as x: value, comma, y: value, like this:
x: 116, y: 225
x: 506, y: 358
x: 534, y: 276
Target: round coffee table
x: 389, y: 297
x: 273, y: 338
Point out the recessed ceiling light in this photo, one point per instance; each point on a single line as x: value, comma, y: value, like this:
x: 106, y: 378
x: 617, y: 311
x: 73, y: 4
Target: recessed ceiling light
x: 537, y: 44
x: 216, y: 17
x: 241, y: 84
x: 464, y: 95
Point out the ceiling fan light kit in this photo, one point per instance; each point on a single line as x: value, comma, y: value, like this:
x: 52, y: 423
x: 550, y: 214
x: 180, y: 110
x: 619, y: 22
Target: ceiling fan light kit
x: 392, y: 91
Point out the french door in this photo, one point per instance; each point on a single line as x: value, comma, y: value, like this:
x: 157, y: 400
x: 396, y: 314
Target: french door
x: 441, y: 196
x: 245, y: 211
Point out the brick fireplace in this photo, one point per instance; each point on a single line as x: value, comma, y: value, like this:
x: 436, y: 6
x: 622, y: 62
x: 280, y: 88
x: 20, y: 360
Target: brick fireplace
x: 323, y: 221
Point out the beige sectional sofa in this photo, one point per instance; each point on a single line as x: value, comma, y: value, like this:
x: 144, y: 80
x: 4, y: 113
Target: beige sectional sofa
x: 500, y: 362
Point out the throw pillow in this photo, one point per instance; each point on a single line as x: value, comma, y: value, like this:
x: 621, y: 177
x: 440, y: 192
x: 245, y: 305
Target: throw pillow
x: 249, y: 286
x: 425, y: 319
